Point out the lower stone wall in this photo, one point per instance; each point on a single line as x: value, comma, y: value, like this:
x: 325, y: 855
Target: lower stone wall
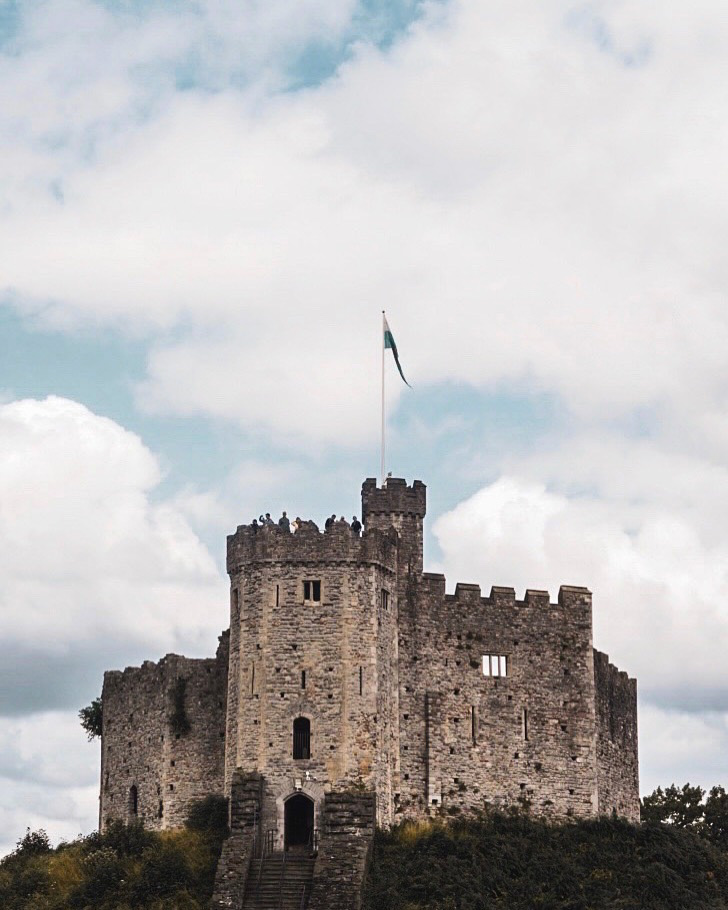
x: 617, y: 758
x: 345, y: 851
x: 237, y: 851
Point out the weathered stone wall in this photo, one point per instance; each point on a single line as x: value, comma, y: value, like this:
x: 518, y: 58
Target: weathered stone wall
x: 468, y: 739
x: 617, y: 758
x: 346, y: 847
x: 234, y: 863
x: 140, y: 749
x: 345, y: 644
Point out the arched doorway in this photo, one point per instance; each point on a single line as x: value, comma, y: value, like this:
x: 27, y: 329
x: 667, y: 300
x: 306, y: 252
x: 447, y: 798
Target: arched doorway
x: 298, y: 820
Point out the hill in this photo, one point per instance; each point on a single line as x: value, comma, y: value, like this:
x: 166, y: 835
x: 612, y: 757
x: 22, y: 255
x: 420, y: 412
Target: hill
x: 515, y: 862
x: 494, y: 862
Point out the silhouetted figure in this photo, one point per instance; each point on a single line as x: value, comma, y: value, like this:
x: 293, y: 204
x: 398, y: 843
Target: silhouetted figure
x: 284, y: 523
x: 329, y: 521
x: 254, y: 525
x: 355, y: 525
x: 268, y: 520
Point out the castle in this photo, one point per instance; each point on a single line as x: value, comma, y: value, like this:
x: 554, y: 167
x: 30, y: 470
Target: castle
x: 351, y: 687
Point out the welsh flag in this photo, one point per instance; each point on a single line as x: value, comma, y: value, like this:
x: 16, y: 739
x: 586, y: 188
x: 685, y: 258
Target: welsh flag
x: 389, y: 343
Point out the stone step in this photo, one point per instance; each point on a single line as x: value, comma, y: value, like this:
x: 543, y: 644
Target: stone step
x: 264, y: 889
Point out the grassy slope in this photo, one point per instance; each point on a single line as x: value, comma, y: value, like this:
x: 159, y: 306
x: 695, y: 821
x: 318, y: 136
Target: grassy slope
x: 518, y: 863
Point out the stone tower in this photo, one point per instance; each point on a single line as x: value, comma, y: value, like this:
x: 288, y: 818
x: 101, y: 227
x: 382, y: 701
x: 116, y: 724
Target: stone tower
x: 312, y: 694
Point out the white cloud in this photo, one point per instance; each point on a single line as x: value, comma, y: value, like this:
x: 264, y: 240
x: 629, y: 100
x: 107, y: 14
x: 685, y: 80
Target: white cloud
x: 679, y: 747
x: 532, y: 208
x: 93, y: 570
x: 48, y: 778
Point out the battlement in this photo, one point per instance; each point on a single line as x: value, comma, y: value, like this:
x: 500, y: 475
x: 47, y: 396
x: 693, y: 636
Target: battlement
x: 339, y: 543
x: 395, y: 498
x: 569, y: 596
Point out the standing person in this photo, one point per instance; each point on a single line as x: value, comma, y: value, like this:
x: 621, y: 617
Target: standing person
x: 296, y: 524
x: 355, y: 525
x: 254, y: 525
x: 268, y: 519
x: 329, y: 521
x: 284, y: 523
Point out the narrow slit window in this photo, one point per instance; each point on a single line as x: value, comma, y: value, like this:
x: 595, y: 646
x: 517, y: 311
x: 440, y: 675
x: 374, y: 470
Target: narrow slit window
x: 473, y: 724
x: 252, y: 679
x: 525, y: 724
x: 303, y: 679
x: 133, y: 800
x: 385, y: 599
x: 361, y: 680
x: 278, y: 595
x: 312, y: 591
x: 495, y: 665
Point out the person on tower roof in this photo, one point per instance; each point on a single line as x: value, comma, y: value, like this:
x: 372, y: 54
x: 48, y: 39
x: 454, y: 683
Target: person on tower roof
x: 283, y: 523
x: 355, y: 525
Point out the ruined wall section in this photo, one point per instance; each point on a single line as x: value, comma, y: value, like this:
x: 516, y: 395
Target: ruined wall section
x: 337, y: 643
x: 616, y: 733
x: 469, y: 740
x: 347, y: 844
x: 141, y: 749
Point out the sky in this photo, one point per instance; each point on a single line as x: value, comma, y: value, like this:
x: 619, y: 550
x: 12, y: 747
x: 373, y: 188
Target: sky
x: 204, y: 207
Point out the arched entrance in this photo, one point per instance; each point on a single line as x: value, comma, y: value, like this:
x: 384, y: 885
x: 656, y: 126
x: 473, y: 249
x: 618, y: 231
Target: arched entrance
x: 298, y: 820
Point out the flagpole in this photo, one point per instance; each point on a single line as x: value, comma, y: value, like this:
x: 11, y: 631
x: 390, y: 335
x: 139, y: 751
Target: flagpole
x: 383, y: 422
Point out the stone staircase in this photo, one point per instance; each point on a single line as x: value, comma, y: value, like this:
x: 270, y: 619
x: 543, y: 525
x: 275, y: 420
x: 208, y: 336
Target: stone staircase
x: 275, y: 884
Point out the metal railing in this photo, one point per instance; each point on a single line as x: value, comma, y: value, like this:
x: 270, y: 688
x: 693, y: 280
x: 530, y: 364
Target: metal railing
x: 280, y: 886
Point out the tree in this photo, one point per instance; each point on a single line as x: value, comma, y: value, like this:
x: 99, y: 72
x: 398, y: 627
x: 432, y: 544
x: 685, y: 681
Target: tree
x: 91, y: 718
x: 682, y: 807
x: 715, y: 819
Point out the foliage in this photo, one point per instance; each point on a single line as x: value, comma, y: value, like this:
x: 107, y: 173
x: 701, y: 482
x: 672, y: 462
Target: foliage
x: 179, y: 722
x: 688, y: 807
x: 682, y: 807
x: 92, y: 718
x: 33, y: 843
x: 516, y: 862
x: 125, y: 868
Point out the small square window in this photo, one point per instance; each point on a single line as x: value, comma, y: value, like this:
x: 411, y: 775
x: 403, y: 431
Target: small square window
x: 495, y: 665
x: 312, y: 591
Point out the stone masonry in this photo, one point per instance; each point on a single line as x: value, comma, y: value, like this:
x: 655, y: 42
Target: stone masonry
x: 347, y: 669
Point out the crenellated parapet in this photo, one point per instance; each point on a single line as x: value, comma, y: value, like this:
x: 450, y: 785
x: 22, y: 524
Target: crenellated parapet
x: 395, y: 497
x: 339, y: 544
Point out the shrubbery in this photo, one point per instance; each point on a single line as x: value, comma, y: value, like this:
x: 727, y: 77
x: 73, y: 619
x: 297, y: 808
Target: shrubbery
x: 125, y: 868
x: 515, y: 862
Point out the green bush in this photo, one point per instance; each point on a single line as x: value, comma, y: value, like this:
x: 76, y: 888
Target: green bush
x: 516, y: 862
x: 125, y: 868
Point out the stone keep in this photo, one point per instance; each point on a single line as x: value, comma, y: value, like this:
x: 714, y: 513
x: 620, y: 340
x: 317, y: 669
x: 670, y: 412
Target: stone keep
x: 347, y: 668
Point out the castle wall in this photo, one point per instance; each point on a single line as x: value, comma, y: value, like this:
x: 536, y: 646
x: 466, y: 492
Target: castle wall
x: 339, y: 643
x: 140, y: 749
x: 466, y: 741
x: 393, y: 687
x: 617, y: 758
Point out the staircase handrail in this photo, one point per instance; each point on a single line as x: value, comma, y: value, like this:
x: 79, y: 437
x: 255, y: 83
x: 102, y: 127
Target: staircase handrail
x: 283, y: 875
x: 303, y: 898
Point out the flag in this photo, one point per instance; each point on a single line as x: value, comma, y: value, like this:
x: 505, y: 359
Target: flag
x: 389, y: 343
